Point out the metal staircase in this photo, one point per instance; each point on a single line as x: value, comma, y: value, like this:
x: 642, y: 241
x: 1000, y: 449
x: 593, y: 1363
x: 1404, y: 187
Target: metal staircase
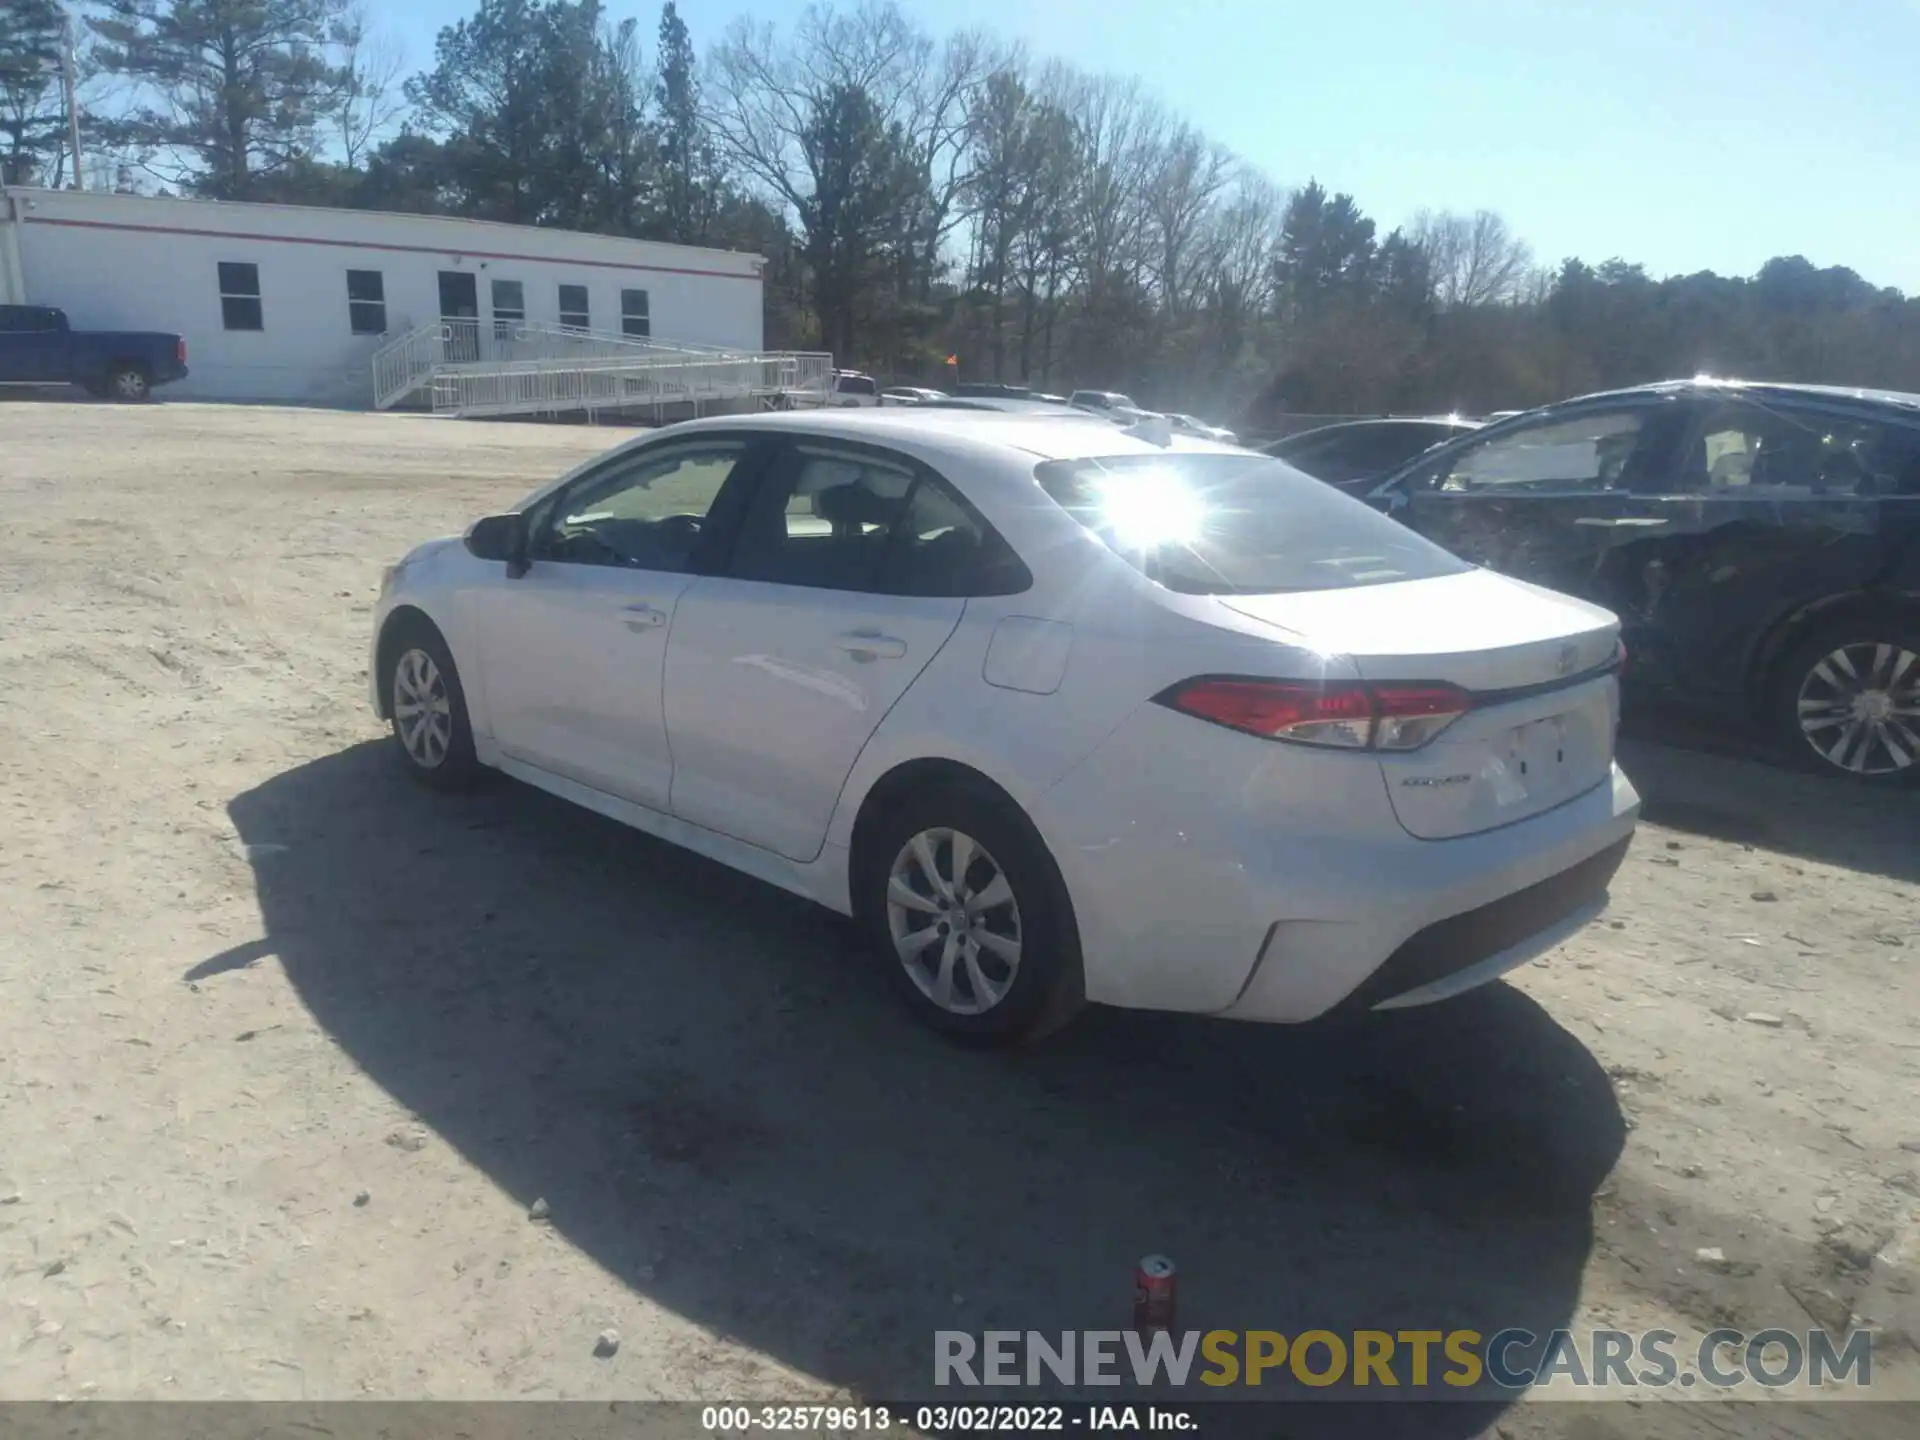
x: 463, y: 368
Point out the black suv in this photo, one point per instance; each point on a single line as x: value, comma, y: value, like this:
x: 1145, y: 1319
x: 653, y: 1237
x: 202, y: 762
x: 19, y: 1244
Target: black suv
x: 1760, y: 543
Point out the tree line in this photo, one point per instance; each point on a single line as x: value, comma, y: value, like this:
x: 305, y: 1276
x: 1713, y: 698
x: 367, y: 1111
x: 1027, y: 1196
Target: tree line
x: 916, y: 197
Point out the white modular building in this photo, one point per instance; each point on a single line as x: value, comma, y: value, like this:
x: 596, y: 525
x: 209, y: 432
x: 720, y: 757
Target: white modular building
x: 289, y: 303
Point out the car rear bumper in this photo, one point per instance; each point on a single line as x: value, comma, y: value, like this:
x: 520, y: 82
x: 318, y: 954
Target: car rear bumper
x: 1500, y: 900
x: 1454, y: 955
x: 1276, y: 892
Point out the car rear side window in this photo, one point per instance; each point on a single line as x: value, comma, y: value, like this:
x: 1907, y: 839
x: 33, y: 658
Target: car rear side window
x: 1362, y: 451
x: 867, y: 521
x: 27, y: 320
x: 1759, y: 448
x: 822, y: 520
x: 1238, y: 525
x: 940, y: 547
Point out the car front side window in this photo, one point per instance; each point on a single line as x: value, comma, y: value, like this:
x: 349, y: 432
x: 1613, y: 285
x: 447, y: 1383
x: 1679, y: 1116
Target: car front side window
x: 1571, y: 455
x: 645, y: 511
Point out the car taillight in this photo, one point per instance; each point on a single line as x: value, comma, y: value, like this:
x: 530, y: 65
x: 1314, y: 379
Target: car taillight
x: 180, y: 351
x: 1343, y: 714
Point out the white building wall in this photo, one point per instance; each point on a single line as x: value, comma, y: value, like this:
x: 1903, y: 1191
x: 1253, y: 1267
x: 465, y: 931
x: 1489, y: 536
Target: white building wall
x: 121, y: 262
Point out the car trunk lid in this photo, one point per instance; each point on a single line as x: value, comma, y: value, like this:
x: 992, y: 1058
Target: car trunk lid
x: 1537, y: 664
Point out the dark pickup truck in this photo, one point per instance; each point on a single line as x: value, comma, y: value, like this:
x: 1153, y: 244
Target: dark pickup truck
x: 38, y: 347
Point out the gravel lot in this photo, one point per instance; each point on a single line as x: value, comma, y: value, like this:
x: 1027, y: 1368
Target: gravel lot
x: 291, y: 1049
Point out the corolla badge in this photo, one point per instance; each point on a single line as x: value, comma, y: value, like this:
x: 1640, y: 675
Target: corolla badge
x: 1434, y: 782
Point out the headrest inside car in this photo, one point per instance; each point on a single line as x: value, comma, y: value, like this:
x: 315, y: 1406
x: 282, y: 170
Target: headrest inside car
x: 854, y: 505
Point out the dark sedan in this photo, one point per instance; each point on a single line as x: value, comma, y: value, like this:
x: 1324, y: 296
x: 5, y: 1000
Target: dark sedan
x: 1353, y: 452
x: 1760, y: 543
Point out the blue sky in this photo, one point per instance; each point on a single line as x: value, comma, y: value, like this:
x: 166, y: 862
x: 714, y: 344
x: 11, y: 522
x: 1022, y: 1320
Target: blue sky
x: 1685, y: 134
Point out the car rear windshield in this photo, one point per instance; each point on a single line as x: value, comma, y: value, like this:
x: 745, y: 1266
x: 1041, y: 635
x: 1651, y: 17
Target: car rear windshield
x: 1237, y: 525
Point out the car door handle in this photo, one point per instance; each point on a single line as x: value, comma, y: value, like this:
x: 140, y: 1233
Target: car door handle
x: 1622, y: 522
x: 643, y: 617
x: 865, y: 645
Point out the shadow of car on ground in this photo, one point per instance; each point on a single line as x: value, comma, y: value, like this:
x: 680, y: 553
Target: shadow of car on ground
x: 713, y: 1086
x: 1725, y: 786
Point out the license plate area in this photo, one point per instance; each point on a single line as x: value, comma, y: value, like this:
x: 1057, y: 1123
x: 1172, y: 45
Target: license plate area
x: 1534, y: 761
x: 1504, y: 763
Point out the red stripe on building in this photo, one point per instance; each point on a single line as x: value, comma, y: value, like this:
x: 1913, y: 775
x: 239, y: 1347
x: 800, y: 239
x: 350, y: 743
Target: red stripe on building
x: 371, y: 245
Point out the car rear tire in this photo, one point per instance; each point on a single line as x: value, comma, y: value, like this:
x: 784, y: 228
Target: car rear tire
x: 427, y: 708
x: 968, y: 912
x: 1845, y: 701
x: 128, y: 383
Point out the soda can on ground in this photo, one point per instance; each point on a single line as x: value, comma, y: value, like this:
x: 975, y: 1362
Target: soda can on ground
x: 1153, y: 1294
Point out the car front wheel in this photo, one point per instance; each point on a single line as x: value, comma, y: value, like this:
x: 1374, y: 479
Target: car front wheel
x: 428, y: 709
x: 1847, y: 701
x: 969, y: 914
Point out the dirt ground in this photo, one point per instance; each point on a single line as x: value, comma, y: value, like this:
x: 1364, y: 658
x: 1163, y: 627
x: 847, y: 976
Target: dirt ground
x: 289, y: 1048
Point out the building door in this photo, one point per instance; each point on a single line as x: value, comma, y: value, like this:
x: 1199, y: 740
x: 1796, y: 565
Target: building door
x: 460, y: 313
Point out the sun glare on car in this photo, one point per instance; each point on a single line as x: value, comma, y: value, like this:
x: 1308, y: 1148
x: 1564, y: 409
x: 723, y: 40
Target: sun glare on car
x: 1146, y: 508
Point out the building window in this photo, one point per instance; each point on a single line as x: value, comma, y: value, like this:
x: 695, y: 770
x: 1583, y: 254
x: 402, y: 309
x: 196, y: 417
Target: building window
x: 240, y: 296
x: 509, y: 306
x: 367, y: 302
x: 573, y: 308
x: 633, y: 314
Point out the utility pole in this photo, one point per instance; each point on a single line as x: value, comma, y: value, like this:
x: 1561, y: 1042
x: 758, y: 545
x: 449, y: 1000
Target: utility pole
x: 68, y: 86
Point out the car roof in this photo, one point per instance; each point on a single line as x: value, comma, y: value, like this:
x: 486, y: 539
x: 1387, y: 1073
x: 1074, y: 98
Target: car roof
x: 930, y: 433
x: 1778, y: 389
x: 1452, y: 422
x: 1015, y: 405
x: 963, y: 433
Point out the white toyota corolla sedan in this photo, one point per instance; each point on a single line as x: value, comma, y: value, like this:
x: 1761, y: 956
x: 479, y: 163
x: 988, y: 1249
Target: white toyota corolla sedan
x: 1057, y: 713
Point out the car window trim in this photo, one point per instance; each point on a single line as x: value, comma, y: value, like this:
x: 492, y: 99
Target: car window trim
x: 722, y: 520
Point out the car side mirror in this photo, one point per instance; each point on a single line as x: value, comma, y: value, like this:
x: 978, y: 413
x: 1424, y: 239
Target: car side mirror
x: 500, y: 537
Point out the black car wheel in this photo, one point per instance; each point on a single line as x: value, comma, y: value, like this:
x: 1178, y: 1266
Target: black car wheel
x: 1846, y: 701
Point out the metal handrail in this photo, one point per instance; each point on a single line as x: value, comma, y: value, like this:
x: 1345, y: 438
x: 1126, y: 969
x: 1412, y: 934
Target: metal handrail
x: 468, y: 368
x: 622, y: 382
x: 400, y: 365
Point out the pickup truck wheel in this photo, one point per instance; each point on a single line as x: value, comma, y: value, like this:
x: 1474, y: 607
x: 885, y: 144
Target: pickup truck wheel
x: 128, y: 382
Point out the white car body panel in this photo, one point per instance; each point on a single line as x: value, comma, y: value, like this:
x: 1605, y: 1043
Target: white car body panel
x: 555, y: 696
x: 1208, y: 870
x: 770, y: 701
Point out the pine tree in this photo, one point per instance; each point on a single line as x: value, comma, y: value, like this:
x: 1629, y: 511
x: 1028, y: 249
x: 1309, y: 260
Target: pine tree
x: 689, y: 183
x: 32, y: 114
x: 241, y: 86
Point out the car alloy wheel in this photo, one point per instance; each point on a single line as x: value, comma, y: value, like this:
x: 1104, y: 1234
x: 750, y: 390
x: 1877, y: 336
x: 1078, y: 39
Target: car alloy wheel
x: 422, y: 709
x: 1859, y: 707
x: 130, y: 385
x: 954, y: 921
